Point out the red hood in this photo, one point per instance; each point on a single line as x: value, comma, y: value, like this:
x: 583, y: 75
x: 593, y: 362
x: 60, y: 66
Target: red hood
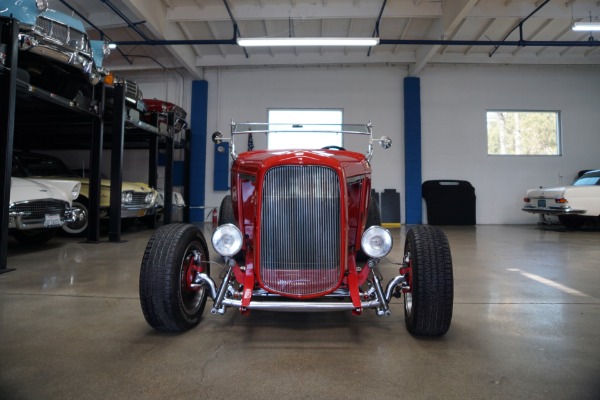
x: 349, y: 163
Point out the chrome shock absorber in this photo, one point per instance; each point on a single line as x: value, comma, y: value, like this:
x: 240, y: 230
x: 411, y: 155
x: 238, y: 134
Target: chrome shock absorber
x: 383, y: 309
x: 218, y: 307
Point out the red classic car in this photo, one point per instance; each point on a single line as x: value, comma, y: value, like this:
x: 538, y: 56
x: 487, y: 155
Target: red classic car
x: 299, y: 232
x: 158, y: 114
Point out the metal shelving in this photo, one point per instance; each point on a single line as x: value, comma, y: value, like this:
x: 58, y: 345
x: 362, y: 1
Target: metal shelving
x: 32, y: 118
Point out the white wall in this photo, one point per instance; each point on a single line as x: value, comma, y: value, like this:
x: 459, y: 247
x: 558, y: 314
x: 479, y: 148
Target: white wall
x: 454, y: 102
x: 246, y: 95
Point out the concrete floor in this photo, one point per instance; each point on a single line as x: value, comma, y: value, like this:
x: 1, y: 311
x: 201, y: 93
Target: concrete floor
x: 525, y: 326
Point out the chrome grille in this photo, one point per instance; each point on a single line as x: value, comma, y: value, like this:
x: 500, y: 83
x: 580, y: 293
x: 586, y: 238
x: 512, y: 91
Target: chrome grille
x: 62, y: 33
x: 139, y: 200
x: 300, y: 230
x: 132, y: 91
x: 36, y: 210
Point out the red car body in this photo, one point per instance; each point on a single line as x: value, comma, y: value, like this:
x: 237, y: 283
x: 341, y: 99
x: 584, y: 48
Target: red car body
x: 352, y: 177
x: 159, y: 111
x: 299, y: 233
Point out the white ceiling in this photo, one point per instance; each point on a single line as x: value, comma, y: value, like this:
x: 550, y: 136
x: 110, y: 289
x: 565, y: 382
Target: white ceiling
x: 476, y: 21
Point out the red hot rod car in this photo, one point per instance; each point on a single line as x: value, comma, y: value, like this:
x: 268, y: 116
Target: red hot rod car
x: 299, y: 232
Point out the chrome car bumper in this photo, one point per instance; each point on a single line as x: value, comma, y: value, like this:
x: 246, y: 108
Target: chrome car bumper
x: 55, y: 51
x: 378, y: 299
x: 553, y: 211
x: 137, y: 212
x: 18, y: 220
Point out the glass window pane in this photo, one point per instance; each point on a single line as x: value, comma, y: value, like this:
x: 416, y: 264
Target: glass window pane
x: 303, y: 139
x: 523, y: 133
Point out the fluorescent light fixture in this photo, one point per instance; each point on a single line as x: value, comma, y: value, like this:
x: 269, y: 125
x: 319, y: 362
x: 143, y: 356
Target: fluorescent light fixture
x: 112, y: 45
x: 586, y: 26
x: 307, y: 41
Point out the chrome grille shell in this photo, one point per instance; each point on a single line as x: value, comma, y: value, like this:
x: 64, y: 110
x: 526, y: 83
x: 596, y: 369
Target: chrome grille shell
x: 138, y: 201
x: 62, y: 34
x: 33, y: 212
x: 300, y: 230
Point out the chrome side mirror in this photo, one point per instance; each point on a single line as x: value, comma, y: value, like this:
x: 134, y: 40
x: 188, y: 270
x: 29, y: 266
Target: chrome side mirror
x: 385, y: 142
x: 217, y: 137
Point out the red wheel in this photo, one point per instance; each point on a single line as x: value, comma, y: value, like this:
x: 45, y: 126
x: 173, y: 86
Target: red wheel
x: 173, y: 256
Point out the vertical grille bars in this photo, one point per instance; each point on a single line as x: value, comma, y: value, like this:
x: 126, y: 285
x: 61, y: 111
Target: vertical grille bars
x: 300, y: 230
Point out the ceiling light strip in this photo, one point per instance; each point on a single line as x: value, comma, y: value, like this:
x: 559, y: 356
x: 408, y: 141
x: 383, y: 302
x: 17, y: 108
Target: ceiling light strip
x: 307, y: 41
x: 586, y: 26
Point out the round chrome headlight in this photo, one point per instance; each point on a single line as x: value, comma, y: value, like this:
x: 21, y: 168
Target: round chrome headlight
x: 106, y: 48
x: 126, y: 197
x: 227, y: 240
x: 42, y: 5
x: 149, y: 198
x: 376, y: 242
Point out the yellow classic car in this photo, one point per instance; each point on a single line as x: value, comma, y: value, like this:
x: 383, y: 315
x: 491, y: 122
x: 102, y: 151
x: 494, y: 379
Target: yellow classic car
x: 137, y: 198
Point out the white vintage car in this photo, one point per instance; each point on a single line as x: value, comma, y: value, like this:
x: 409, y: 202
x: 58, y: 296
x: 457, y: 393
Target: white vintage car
x: 573, y: 205
x: 39, y: 207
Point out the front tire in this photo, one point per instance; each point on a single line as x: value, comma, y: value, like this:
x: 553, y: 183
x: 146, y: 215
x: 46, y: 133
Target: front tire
x: 429, y: 301
x: 34, y: 236
x: 373, y: 218
x: 226, y: 215
x: 173, y: 256
x: 571, y: 221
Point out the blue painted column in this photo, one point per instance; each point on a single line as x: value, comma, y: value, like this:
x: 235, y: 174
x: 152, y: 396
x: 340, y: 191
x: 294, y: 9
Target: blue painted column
x: 198, y: 123
x: 412, y: 150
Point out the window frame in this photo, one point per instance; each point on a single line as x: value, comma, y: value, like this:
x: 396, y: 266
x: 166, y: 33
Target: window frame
x: 269, y: 110
x: 559, y: 146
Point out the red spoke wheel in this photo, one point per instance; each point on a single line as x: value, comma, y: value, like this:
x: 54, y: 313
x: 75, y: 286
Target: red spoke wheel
x: 174, y: 255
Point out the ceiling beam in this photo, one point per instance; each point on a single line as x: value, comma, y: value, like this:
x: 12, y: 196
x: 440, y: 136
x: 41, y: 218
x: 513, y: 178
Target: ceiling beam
x: 305, y: 59
x: 453, y: 12
x: 154, y: 16
x: 303, y: 11
x: 404, y: 9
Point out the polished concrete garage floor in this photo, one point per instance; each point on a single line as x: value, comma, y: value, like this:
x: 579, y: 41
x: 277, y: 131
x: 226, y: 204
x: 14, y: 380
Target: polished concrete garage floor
x: 526, y: 326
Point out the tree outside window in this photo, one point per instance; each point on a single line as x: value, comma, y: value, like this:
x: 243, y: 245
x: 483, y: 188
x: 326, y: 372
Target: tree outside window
x: 523, y: 133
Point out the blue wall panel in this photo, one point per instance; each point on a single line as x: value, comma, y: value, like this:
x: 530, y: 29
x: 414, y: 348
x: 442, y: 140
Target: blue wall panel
x: 221, y: 171
x: 198, y: 123
x: 412, y: 150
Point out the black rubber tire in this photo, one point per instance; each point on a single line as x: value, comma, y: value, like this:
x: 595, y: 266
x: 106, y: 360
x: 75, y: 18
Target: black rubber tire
x: 80, y: 227
x: 428, y: 305
x: 168, y: 305
x: 34, y: 236
x: 127, y: 224
x: 571, y: 221
x: 150, y: 220
x: 226, y: 215
x: 373, y: 218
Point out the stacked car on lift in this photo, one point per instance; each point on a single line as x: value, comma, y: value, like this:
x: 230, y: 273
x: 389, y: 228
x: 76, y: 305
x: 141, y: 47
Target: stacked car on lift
x: 65, y: 99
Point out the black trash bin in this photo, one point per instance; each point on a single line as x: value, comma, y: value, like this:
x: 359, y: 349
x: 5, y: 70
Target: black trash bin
x: 449, y: 202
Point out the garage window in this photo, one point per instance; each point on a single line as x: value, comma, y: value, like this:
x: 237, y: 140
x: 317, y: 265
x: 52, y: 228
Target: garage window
x: 301, y: 136
x: 523, y: 133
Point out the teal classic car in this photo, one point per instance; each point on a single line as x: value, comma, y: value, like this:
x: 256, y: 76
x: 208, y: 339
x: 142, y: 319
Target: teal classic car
x: 54, y: 49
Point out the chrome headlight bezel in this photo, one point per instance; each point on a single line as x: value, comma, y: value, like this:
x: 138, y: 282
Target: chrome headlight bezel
x: 149, y: 199
x: 75, y: 191
x: 41, y: 5
x: 227, y: 240
x: 126, y: 197
x: 376, y: 242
